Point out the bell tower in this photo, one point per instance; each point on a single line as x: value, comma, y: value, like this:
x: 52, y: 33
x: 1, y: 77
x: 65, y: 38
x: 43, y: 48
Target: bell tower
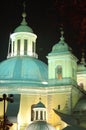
x: 62, y: 64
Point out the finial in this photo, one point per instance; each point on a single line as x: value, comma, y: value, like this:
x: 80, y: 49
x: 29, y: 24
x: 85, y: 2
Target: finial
x: 24, y: 15
x: 62, y: 33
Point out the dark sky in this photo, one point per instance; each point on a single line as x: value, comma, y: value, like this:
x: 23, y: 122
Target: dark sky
x: 42, y: 17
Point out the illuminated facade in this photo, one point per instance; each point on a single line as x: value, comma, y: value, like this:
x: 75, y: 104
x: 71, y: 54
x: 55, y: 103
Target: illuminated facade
x: 61, y: 84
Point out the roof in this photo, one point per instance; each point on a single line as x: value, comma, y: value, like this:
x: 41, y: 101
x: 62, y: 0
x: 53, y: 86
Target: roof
x: 74, y: 128
x: 40, y: 125
x: 81, y: 68
x: 61, y: 46
x: 82, y: 64
x: 23, y: 27
x: 39, y: 105
x: 23, y: 69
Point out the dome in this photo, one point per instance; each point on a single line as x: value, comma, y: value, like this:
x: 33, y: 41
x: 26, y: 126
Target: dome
x: 24, y: 69
x: 23, y: 27
x: 81, y: 67
x: 61, y: 46
x: 82, y: 64
x: 40, y: 125
x: 39, y: 105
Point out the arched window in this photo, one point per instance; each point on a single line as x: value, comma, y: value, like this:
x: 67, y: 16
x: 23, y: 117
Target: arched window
x: 58, y: 72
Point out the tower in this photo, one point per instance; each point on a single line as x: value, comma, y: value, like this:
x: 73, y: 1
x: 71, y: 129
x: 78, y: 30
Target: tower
x: 81, y: 73
x: 62, y: 74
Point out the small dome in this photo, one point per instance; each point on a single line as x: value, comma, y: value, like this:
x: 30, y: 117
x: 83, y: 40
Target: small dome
x: 40, y: 125
x: 82, y: 64
x: 81, y: 67
x: 39, y: 105
x: 24, y: 69
x: 61, y: 46
x: 23, y: 27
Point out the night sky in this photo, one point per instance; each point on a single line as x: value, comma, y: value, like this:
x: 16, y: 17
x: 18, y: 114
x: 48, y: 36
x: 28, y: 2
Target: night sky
x: 43, y: 18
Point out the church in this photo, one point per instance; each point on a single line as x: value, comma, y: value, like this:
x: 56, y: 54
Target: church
x: 46, y: 96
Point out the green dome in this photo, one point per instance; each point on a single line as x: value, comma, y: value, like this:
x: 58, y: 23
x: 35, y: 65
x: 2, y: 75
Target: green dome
x: 23, y: 27
x: 61, y: 46
x: 39, y: 105
x: 40, y: 125
x: 23, y: 69
x: 81, y: 67
x: 82, y: 64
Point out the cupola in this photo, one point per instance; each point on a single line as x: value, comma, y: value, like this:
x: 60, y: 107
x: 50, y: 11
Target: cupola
x: 39, y: 111
x: 39, y: 122
x: 22, y: 41
x: 82, y: 64
x: 62, y: 64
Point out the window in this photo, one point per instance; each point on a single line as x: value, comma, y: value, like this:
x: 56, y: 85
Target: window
x: 33, y: 47
x: 36, y: 115
x: 25, y: 47
x: 41, y: 115
x: 18, y: 47
x: 58, y: 72
x: 45, y: 115
x: 58, y: 107
x: 32, y: 112
x: 13, y: 46
x: 10, y: 47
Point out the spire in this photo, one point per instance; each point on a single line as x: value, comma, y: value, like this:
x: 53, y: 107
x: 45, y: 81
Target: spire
x: 24, y: 15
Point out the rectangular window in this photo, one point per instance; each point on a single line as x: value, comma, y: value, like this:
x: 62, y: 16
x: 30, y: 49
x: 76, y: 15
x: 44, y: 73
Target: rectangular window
x: 41, y: 115
x: 58, y: 107
x: 36, y: 115
x: 18, y: 47
x: 33, y: 47
x: 25, y: 47
x: 13, y: 46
